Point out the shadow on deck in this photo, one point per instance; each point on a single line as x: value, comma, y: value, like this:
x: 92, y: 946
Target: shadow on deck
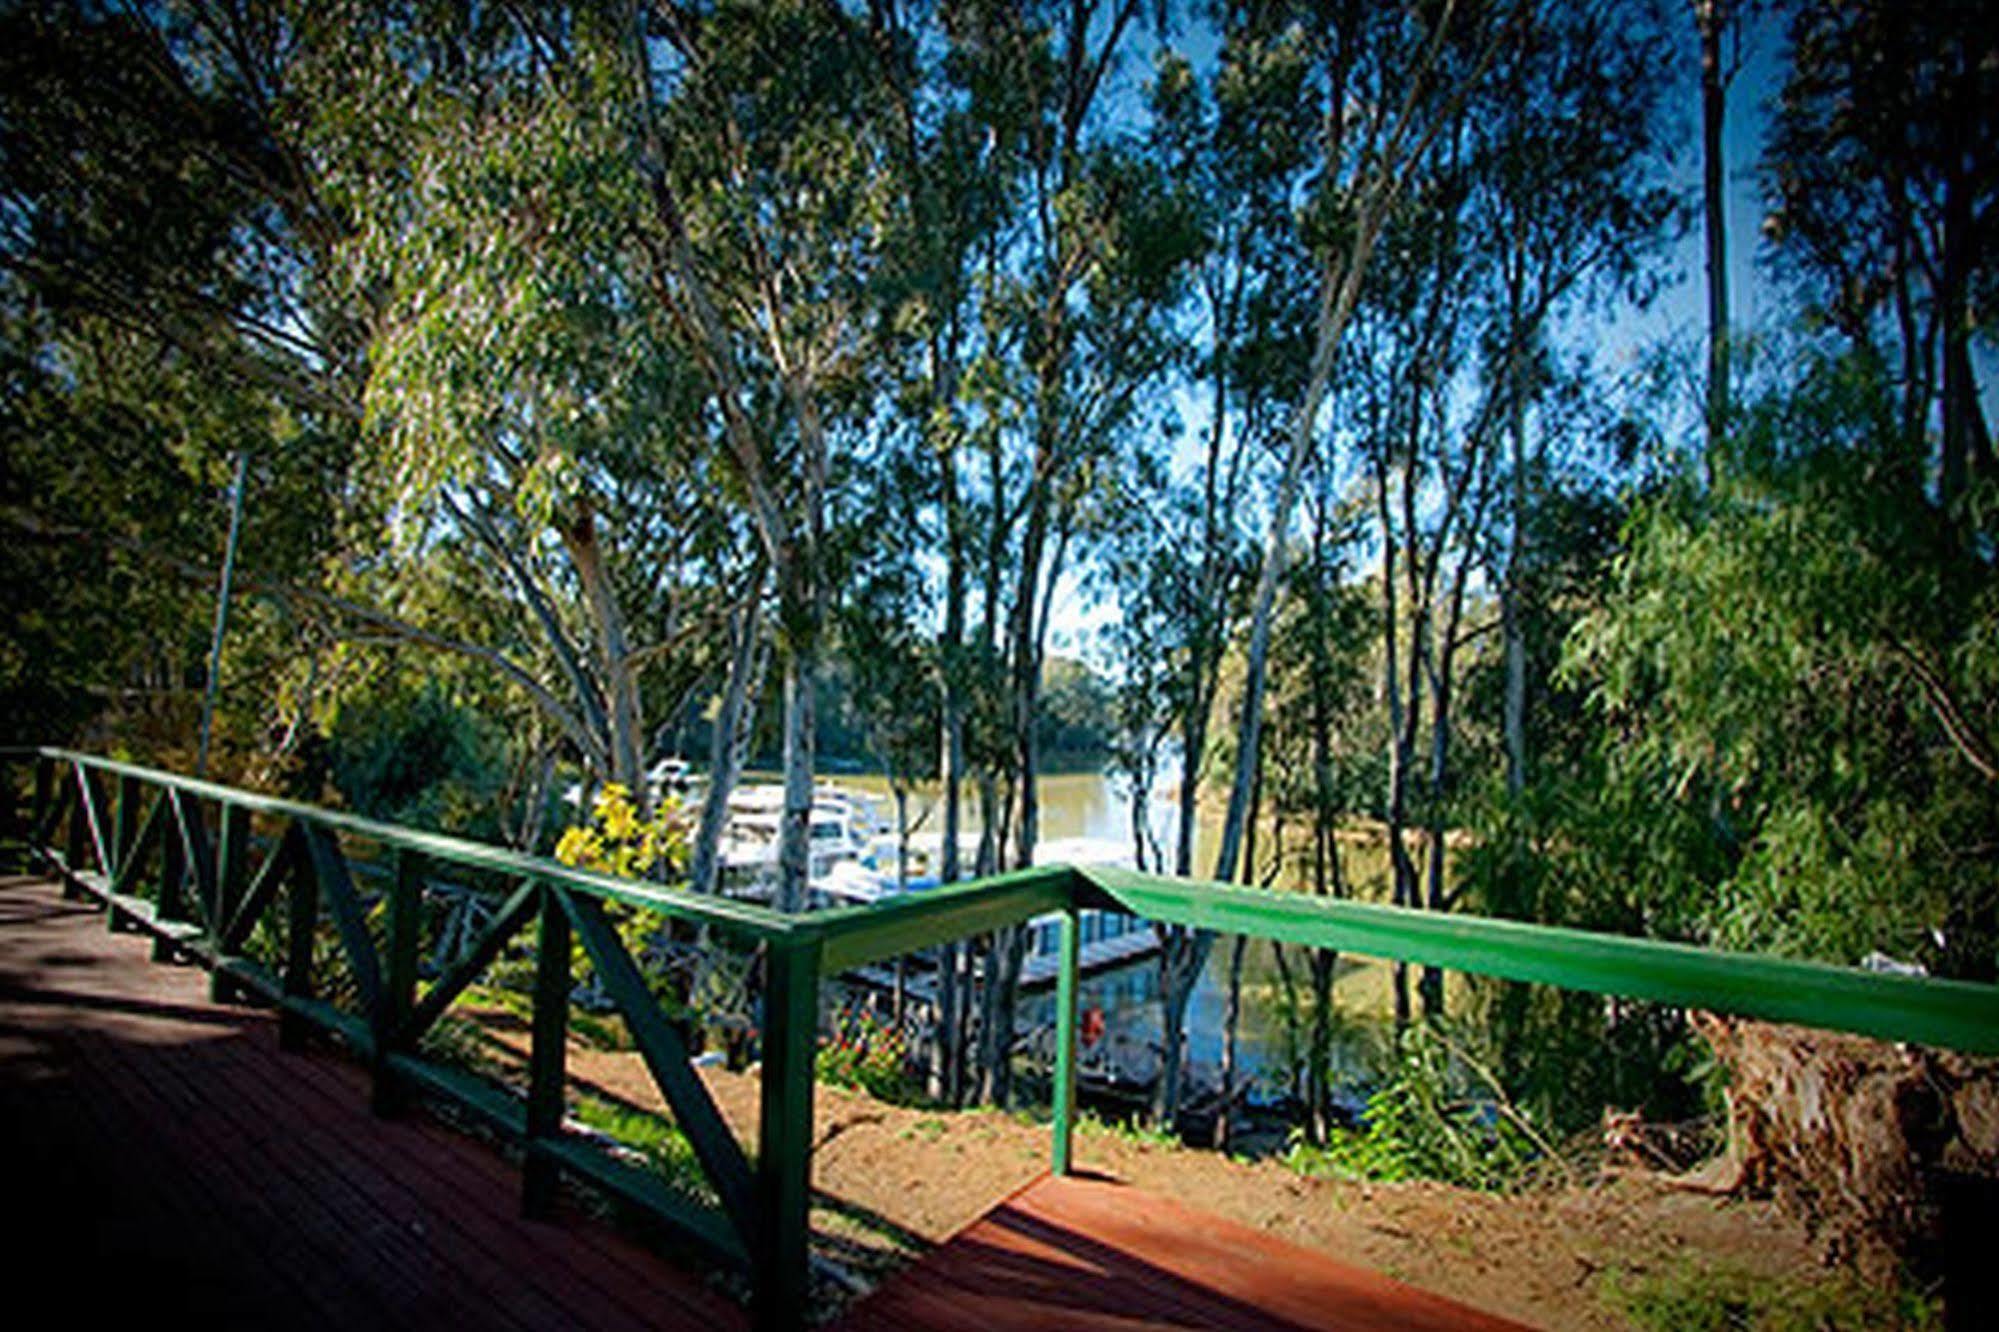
x: 165, y: 1157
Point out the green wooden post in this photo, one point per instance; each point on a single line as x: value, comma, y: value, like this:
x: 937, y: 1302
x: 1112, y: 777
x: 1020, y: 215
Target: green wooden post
x: 388, y: 1096
x: 171, y: 904
x: 1063, y: 1093
x: 38, y: 815
x: 546, y: 1062
x: 79, y: 836
x: 301, y: 931
x: 125, y: 828
x: 232, y: 876
x: 98, y: 830
x: 780, y: 1250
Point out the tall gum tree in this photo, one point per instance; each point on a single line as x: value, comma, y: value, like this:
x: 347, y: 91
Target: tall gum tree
x: 1384, y: 84
x: 764, y: 147
x: 1883, y: 179
x: 1074, y: 293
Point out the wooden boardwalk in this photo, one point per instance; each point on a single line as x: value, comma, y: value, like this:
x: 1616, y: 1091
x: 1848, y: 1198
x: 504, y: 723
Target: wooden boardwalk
x: 165, y: 1158
x: 1088, y: 1253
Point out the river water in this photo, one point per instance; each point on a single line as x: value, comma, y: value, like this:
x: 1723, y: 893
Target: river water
x: 1096, y: 806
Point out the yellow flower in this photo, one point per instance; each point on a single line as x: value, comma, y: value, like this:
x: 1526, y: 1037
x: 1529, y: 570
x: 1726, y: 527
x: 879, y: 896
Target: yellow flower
x: 580, y: 846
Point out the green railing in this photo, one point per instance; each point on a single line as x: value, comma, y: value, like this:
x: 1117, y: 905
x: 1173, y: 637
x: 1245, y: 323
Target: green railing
x: 175, y: 857
x: 182, y: 860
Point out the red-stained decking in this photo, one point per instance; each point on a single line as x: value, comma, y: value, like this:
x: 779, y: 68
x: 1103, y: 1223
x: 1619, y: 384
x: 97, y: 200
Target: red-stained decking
x: 1087, y: 1253
x: 165, y: 1158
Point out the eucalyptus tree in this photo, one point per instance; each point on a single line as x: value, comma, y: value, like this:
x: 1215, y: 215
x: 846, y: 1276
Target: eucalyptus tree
x: 764, y: 138
x: 1719, y: 25
x: 1244, y: 140
x: 1544, y: 191
x: 1074, y: 288
x: 1143, y: 570
x: 952, y: 203
x: 1571, y: 142
x: 1325, y: 750
x: 1884, y: 182
x: 159, y: 170
x: 519, y: 404
x: 232, y: 184
x: 1386, y: 83
x: 1426, y: 441
x: 1351, y: 100
x: 158, y: 220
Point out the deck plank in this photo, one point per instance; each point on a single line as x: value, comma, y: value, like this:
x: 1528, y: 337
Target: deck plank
x: 171, y: 1159
x: 1089, y: 1253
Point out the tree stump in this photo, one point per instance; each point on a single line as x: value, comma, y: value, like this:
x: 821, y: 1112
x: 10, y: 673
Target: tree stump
x: 1888, y: 1153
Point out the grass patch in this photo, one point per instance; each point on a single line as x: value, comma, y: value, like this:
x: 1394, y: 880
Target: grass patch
x: 663, y: 1145
x: 929, y: 1128
x: 1695, y: 1298
x: 1127, y: 1131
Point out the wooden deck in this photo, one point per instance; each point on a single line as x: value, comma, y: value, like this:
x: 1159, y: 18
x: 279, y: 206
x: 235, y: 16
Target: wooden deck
x: 1088, y: 1253
x: 164, y: 1157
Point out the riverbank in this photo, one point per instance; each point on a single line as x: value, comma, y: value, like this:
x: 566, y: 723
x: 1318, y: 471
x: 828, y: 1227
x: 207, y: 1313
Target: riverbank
x: 1611, y: 1251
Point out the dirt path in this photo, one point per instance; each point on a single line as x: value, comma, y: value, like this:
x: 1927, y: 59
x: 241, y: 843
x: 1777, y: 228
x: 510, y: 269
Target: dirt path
x: 892, y: 1181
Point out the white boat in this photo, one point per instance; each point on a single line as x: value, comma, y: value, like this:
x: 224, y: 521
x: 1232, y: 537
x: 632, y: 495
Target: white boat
x: 847, y: 883
x: 843, y: 830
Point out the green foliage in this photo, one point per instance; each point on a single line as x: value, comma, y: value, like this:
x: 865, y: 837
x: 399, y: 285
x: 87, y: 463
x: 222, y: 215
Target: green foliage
x: 665, y: 1148
x: 1798, y: 682
x: 1130, y: 1130
x: 1076, y: 707
x: 1691, y: 1298
x: 1418, y: 1125
x: 417, y: 758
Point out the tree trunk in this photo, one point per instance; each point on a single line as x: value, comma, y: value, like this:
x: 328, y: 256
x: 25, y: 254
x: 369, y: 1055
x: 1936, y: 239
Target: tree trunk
x: 1515, y: 720
x: 1183, y: 955
x: 1231, y: 1029
x: 1327, y: 877
x: 1401, y: 725
x: 1711, y: 18
x: 1319, y: 1055
x: 1001, y: 988
x: 1864, y: 1142
x: 941, y: 1084
x: 1193, y: 740
x: 731, y: 737
x: 794, y: 849
x: 1340, y: 280
x: 627, y: 723
x: 1027, y: 680
x: 1964, y: 437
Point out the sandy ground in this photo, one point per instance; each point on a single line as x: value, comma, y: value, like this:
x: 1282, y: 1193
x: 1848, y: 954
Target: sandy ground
x: 891, y: 1181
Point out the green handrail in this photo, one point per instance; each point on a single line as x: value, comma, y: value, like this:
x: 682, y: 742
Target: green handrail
x: 765, y: 1219
x: 745, y: 920
x: 1955, y: 1014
